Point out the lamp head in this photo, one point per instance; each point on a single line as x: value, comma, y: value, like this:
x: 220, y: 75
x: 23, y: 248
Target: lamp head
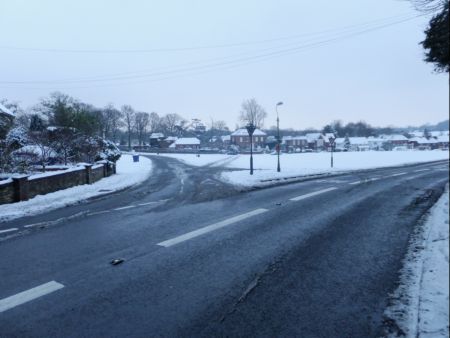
x: 279, y: 103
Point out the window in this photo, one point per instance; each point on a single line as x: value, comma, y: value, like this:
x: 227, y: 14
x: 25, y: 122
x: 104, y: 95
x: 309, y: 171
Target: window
x: 241, y: 139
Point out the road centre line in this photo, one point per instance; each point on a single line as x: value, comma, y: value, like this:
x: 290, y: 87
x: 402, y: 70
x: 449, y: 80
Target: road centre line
x: 127, y: 207
x: 416, y: 171
x: 148, y: 203
x: 398, y: 174
x: 8, y: 230
x: 212, y: 227
x: 29, y: 295
x: 311, y: 194
x: 98, y: 212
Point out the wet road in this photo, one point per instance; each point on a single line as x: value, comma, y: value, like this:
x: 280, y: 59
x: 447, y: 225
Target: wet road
x: 310, y: 259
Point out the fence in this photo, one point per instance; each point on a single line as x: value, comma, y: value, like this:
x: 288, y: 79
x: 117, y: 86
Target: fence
x: 22, y: 188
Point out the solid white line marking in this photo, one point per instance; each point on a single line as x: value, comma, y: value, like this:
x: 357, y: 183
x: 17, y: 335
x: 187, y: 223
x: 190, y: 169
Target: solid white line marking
x: 357, y: 182
x: 29, y: 295
x: 311, y: 194
x: 148, y: 203
x: 416, y: 171
x: 398, y: 174
x: 33, y: 225
x: 127, y: 207
x: 98, y: 212
x: 8, y: 230
x: 210, y: 228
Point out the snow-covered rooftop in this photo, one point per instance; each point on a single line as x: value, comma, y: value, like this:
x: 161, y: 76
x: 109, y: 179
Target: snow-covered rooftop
x: 5, y: 110
x: 187, y: 141
x: 156, y: 135
x: 244, y: 132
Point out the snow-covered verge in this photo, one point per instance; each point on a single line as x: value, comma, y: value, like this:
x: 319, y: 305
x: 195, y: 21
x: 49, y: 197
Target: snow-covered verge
x: 420, y: 305
x: 304, y: 164
x: 128, y: 173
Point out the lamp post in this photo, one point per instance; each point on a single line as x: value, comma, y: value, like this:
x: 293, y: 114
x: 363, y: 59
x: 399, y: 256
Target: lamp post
x: 278, y: 136
x: 251, y: 129
x: 332, y: 139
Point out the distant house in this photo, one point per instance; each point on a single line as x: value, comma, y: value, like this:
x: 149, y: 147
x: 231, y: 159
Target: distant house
x: 397, y: 140
x: 316, y: 141
x: 295, y: 142
x: 226, y: 139
x: 443, y: 141
x: 356, y: 143
x: 155, y: 139
x: 186, y: 143
x: 375, y: 143
x: 240, y: 138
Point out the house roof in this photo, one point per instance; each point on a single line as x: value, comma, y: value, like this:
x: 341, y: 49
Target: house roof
x: 313, y: 136
x: 187, y: 141
x: 156, y: 135
x: 5, y: 110
x: 397, y: 137
x: 244, y: 132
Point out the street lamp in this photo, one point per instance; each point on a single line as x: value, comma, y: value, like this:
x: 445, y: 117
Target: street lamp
x: 278, y: 136
x: 332, y: 144
x: 251, y: 129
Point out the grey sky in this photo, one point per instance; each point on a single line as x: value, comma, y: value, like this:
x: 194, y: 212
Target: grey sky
x: 378, y: 76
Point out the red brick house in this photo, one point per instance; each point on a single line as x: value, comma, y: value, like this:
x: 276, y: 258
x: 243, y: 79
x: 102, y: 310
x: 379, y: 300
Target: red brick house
x: 241, y: 139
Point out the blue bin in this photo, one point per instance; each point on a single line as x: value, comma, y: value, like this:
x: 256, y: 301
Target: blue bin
x: 135, y: 158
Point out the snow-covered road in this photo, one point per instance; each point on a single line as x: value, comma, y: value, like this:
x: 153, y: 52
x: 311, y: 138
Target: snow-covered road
x: 304, y: 164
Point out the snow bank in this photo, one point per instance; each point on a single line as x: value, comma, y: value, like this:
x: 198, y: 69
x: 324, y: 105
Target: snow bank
x: 421, y: 303
x: 128, y: 173
x: 304, y: 164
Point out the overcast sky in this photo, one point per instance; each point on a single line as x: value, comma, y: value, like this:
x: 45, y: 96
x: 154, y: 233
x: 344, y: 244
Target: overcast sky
x: 350, y: 60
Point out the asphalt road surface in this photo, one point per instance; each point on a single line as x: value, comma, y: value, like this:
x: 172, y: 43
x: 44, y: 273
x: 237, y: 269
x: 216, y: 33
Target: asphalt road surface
x: 201, y: 258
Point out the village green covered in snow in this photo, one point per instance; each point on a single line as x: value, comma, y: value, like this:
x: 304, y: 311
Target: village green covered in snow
x: 235, y: 169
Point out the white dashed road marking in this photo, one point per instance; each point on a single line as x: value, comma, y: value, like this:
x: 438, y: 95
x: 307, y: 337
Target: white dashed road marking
x: 29, y: 295
x: 210, y: 228
x: 8, y: 230
x: 416, y: 171
x: 311, y: 194
x: 398, y: 174
x: 98, y: 212
x: 127, y: 207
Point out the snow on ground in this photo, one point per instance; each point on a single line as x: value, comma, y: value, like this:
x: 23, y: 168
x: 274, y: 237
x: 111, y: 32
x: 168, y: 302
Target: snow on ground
x: 303, y: 164
x: 128, y: 173
x: 421, y: 303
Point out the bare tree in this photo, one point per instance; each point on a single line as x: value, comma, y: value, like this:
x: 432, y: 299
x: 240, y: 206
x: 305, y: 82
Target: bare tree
x: 155, y: 122
x: 111, y: 121
x: 429, y: 6
x: 173, y: 123
x: 128, y: 116
x: 141, y: 123
x: 252, y: 112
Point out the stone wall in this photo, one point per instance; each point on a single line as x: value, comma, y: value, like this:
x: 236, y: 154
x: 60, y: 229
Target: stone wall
x: 23, y: 187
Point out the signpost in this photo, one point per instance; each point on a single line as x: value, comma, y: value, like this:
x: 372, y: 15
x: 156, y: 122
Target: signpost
x: 251, y: 129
